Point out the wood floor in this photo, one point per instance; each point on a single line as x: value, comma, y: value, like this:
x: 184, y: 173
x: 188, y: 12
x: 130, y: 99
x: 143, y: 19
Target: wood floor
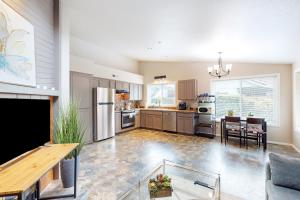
x: 111, y: 167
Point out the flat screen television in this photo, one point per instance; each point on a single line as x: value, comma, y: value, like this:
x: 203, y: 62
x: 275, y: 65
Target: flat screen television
x: 24, y: 126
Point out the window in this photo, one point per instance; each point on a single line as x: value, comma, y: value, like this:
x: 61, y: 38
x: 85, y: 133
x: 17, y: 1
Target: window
x: 162, y: 94
x: 257, y: 95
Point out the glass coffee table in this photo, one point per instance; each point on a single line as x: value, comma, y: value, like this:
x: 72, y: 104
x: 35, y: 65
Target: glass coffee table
x: 187, y: 184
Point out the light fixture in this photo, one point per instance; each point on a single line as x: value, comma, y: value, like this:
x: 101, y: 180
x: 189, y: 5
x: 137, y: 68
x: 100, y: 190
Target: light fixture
x: 219, y: 70
x: 160, y: 79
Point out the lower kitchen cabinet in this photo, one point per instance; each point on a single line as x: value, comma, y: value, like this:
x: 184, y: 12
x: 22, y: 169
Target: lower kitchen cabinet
x: 186, y: 123
x: 118, y: 127
x: 151, y: 119
x: 143, y: 119
x: 169, y: 121
x: 137, y: 119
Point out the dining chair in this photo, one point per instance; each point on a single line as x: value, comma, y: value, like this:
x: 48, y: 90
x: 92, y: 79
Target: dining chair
x: 255, y: 128
x: 232, y: 128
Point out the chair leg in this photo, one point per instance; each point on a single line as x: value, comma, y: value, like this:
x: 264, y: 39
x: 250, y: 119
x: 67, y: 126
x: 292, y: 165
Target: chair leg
x: 240, y: 140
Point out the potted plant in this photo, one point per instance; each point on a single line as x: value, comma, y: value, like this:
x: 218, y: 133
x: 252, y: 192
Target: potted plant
x: 69, y: 129
x: 230, y: 113
x: 160, y: 187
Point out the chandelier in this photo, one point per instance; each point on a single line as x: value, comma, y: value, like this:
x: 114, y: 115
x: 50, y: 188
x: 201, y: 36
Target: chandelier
x: 219, y: 70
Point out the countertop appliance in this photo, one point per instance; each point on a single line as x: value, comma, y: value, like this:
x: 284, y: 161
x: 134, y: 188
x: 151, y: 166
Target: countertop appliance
x: 127, y: 118
x: 104, y: 113
x: 182, y: 106
x: 170, y: 121
x: 206, y: 109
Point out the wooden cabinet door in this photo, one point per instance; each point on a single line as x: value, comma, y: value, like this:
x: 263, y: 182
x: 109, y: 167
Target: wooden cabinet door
x: 140, y: 96
x: 80, y: 89
x: 143, y: 119
x: 112, y: 84
x: 118, y: 126
x: 131, y: 92
x: 189, y: 125
x: 180, y: 124
x: 104, y: 83
x: 191, y: 89
x: 149, y: 121
x: 137, y: 120
x: 182, y: 90
x: 157, y: 122
x: 126, y: 86
x: 85, y: 116
x: 136, y: 92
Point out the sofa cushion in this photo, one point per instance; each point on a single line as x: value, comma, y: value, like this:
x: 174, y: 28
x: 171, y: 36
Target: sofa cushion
x: 279, y: 193
x: 285, y: 171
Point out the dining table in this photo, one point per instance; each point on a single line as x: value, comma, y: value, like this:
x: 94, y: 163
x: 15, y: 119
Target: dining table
x: 243, y: 124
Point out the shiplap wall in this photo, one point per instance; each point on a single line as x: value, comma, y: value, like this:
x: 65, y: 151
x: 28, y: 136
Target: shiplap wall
x: 40, y: 13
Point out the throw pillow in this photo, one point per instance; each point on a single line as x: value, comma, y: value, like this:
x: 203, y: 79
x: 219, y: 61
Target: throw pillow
x: 285, y: 171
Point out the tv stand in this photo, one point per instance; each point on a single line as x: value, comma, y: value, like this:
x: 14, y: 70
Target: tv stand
x: 23, y: 173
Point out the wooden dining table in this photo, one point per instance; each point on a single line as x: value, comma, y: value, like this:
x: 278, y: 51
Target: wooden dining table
x: 244, y: 122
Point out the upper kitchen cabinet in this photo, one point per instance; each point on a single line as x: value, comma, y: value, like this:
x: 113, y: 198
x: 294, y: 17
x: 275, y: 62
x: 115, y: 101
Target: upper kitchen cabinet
x: 112, y: 84
x: 187, y: 89
x: 120, y: 85
x: 136, y: 92
x: 104, y: 83
x: 80, y: 89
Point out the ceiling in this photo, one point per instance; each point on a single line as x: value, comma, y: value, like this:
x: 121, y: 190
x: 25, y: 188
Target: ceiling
x: 191, y: 30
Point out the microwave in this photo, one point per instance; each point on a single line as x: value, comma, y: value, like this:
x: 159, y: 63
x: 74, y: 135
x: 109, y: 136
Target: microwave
x: 204, y: 109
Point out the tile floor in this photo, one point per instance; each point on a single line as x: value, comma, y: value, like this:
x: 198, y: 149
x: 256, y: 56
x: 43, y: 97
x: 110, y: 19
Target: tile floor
x: 109, y: 168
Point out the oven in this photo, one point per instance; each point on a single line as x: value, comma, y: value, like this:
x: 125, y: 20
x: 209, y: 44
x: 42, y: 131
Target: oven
x: 128, y: 118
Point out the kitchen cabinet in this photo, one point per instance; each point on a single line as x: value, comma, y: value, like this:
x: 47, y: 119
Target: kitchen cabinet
x: 118, y: 126
x: 120, y: 85
x: 143, y: 119
x: 136, y: 92
x: 186, y: 122
x: 85, y: 116
x: 104, y: 83
x: 151, y: 119
x: 187, y: 89
x: 140, y: 95
x: 137, y: 119
x: 80, y: 89
x: 112, y: 84
x: 169, y: 121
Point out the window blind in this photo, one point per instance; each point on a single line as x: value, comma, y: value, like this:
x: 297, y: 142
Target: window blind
x: 258, y: 96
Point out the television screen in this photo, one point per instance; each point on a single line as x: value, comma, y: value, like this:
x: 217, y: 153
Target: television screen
x: 24, y: 125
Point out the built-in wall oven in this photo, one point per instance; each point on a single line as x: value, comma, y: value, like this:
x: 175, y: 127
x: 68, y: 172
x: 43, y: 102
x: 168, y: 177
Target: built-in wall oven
x: 128, y: 118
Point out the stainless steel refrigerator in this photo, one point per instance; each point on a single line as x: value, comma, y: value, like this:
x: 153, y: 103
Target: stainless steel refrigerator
x: 104, y: 113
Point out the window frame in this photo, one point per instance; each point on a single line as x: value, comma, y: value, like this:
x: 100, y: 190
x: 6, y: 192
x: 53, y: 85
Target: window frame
x: 165, y: 83
x: 276, y: 106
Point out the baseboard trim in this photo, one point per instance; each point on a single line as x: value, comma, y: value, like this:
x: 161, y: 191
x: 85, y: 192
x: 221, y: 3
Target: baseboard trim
x: 280, y: 143
x: 298, y: 150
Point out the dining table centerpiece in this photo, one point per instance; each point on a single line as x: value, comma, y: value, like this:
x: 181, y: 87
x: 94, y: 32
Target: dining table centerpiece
x: 160, y: 186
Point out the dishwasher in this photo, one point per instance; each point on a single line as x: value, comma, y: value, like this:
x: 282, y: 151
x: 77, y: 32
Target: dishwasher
x: 169, y: 121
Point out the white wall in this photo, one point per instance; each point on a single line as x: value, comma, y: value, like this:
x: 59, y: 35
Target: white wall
x: 101, y: 56
x: 83, y: 65
x: 296, y: 105
x: 198, y: 70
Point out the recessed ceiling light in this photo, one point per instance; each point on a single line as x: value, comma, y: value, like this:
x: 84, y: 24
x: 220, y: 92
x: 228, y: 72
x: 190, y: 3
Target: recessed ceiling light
x: 159, y: 42
x: 149, y: 48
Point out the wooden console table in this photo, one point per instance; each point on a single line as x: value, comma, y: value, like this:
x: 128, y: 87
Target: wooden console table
x: 18, y: 177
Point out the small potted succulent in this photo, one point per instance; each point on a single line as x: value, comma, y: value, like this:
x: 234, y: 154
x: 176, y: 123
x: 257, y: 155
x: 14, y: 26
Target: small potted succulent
x: 230, y: 113
x: 69, y: 129
x: 160, y: 186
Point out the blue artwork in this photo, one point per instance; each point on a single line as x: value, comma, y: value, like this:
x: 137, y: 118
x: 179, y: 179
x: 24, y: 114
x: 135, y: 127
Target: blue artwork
x: 17, y: 59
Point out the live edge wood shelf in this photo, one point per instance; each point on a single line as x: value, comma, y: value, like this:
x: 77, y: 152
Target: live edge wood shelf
x: 21, y: 175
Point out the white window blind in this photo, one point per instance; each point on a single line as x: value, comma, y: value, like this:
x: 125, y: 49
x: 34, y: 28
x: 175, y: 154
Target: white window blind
x: 163, y: 94
x: 257, y: 95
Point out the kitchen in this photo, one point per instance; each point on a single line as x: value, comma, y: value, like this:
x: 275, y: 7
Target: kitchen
x: 129, y: 110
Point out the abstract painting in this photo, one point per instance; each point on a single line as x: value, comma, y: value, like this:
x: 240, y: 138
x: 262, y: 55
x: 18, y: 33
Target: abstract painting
x: 17, y: 58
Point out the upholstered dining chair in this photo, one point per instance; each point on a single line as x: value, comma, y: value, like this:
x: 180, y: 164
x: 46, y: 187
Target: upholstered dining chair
x: 255, y: 127
x: 233, y: 128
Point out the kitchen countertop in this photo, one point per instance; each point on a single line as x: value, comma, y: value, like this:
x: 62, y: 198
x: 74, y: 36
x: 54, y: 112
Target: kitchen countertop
x: 169, y: 110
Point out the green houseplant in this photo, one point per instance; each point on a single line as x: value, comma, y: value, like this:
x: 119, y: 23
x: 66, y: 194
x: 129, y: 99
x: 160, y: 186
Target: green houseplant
x: 69, y: 129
